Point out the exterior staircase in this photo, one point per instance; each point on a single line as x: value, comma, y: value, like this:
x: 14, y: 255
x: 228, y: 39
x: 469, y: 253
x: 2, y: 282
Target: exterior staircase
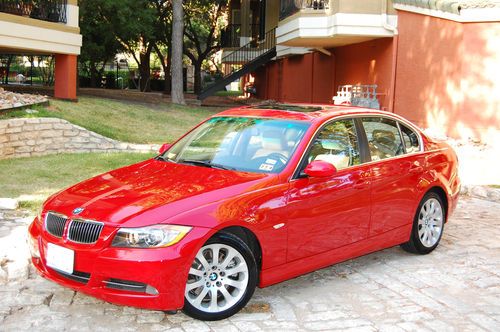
x: 250, y: 56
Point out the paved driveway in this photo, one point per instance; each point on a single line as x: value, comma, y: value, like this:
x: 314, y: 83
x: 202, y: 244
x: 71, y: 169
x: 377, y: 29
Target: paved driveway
x: 457, y: 287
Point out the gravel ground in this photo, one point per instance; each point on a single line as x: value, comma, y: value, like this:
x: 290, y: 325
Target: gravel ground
x: 455, y: 288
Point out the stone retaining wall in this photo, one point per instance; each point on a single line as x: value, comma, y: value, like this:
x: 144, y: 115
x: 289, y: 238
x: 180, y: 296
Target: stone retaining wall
x: 40, y: 136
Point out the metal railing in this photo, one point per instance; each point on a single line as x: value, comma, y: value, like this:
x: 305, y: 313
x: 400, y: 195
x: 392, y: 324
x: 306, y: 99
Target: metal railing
x: 290, y: 7
x: 253, y: 49
x: 231, y: 35
x: 46, y: 10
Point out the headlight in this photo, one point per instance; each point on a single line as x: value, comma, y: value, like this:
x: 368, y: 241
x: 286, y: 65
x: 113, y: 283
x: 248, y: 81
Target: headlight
x: 150, y: 237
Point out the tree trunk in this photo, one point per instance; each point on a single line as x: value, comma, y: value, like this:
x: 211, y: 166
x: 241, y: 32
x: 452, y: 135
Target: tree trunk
x: 168, y: 71
x: 177, y: 52
x: 94, y: 74
x: 165, y: 67
x: 197, y: 77
x: 145, y: 69
x: 7, y: 70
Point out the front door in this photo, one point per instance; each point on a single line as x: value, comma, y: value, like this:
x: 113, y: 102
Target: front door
x: 328, y: 213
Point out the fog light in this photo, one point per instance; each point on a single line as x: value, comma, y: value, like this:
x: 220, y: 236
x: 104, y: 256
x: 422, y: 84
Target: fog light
x: 33, y: 245
x: 151, y: 290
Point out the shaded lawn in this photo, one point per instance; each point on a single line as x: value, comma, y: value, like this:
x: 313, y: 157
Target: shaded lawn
x: 32, y: 180
x: 124, y: 121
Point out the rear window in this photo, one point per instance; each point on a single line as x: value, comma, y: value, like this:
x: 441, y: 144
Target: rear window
x: 384, y: 140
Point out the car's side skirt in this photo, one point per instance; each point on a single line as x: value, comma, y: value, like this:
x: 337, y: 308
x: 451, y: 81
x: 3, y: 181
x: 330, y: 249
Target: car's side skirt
x: 305, y: 265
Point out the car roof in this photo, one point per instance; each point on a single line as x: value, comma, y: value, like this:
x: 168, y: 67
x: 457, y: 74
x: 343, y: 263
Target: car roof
x: 301, y: 112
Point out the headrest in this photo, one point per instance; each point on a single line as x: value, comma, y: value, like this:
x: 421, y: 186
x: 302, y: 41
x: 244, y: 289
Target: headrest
x: 331, y: 144
x: 383, y: 136
x: 272, y: 140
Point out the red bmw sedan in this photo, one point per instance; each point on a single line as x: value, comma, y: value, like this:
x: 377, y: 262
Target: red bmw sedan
x: 251, y: 197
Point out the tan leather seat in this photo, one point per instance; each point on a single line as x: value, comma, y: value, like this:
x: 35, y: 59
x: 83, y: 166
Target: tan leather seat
x: 272, y: 142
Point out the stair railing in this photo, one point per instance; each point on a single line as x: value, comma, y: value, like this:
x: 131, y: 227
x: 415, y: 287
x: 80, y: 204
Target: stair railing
x: 252, y: 49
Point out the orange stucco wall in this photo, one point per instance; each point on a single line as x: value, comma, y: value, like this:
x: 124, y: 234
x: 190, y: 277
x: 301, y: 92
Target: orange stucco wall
x: 314, y: 77
x: 366, y: 63
x: 447, y: 75
x: 441, y: 74
x: 305, y: 78
x: 65, y: 77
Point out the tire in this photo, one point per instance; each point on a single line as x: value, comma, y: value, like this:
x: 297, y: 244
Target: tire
x: 232, y: 278
x: 428, y: 225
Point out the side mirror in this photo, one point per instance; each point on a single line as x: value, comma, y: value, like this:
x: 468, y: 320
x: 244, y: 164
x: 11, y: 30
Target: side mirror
x: 164, y: 147
x: 320, y: 169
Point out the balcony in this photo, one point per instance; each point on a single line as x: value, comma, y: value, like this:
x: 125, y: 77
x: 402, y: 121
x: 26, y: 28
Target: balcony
x: 46, y: 10
x: 333, y: 23
x: 290, y: 7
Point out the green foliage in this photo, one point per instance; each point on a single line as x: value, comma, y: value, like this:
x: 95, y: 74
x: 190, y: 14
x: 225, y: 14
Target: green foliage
x: 99, y: 43
x: 203, y: 24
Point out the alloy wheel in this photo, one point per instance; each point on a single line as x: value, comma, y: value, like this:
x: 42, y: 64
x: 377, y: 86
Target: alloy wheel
x: 217, y: 279
x: 430, y: 222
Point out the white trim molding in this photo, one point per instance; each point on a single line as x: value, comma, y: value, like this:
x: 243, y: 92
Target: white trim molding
x: 336, y: 25
x: 467, y: 15
x: 38, y: 39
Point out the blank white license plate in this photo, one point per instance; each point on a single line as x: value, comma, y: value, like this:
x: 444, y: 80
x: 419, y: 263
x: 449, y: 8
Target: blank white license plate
x: 60, y: 258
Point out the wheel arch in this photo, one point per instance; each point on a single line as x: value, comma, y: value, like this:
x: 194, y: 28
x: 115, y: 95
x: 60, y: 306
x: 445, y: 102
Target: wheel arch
x: 247, y: 236
x: 442, y: 194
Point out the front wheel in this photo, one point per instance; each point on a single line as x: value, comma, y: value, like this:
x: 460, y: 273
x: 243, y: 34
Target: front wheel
x: 428, y: 225
x: 221, y: 279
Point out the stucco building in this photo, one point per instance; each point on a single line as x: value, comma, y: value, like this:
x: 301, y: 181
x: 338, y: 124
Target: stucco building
x: 435, y: 62
x: 44, y: 27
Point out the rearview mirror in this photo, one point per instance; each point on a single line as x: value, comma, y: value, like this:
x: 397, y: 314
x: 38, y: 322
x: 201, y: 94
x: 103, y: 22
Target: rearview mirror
x: 320, y: 169
x: 164, y: 147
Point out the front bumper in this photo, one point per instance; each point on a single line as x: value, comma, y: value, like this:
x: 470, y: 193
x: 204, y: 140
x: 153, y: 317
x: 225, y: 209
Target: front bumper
x: 98, y: 267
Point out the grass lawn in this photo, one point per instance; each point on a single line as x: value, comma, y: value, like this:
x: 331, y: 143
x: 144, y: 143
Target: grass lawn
x: 229, y: 93
x: 32, y: 180
x: 124, y: 121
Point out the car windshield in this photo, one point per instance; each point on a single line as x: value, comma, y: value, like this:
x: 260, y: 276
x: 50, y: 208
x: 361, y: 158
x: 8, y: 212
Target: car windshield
x: 239, y: 143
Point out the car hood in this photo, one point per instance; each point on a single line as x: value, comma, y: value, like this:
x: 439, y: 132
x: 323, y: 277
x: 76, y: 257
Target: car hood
x: 117, y: 197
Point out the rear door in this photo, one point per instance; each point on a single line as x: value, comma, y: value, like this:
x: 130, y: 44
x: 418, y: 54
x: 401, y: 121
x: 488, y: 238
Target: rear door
x: 396, y: 170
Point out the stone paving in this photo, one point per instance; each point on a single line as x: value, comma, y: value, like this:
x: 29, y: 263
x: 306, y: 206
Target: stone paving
x: 456, y: 288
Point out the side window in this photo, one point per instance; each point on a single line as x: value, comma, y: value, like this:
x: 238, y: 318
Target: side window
x: 410, y: 138
x: 336, y: 143
x: 383, y: 136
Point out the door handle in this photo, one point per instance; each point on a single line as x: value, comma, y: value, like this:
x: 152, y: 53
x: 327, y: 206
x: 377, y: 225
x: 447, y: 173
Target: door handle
x: 361, y: 184
x: 363, y: 181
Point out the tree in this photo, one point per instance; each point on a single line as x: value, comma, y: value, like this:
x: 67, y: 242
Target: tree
x: 99, y: 44
x: 177, y: 46
x: 202, y: 28
x: 133, y: 24
x: 163, y: 45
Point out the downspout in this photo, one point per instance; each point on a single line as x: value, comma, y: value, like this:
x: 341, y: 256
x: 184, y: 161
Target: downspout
x: 394, y: 29
x: 385, y: 22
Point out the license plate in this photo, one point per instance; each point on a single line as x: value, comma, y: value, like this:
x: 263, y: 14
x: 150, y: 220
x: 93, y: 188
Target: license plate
x: 60, y: 258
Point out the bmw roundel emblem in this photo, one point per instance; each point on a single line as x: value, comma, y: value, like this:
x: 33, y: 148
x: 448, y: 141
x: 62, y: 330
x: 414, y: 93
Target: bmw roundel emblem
x: 78, y: 210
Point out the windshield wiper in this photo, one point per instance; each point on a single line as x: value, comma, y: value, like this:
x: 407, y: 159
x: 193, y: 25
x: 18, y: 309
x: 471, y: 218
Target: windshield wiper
x: 164, y: 158
x: 206, y: 163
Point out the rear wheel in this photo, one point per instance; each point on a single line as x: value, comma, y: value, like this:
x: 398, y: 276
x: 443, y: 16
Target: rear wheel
x: 221, y: 279
x: 428, y: 225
